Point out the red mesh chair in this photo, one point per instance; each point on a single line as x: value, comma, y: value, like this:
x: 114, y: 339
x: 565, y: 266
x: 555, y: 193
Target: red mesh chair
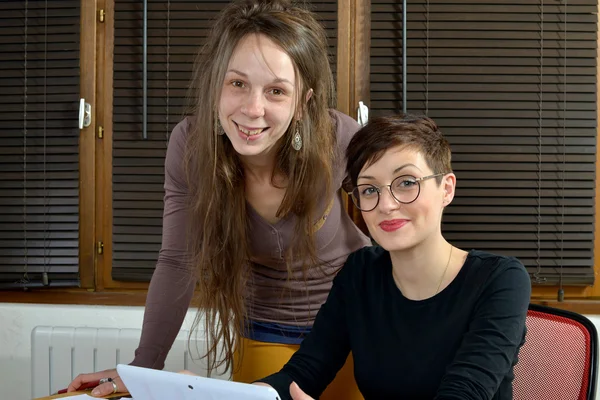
x: 559, y: 358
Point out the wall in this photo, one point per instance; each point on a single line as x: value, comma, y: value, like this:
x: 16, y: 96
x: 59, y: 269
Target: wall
x: 18, y: 320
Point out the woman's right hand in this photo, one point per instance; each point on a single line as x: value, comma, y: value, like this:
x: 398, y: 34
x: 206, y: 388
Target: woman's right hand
x: 297, y: 393
x: 102, y: 389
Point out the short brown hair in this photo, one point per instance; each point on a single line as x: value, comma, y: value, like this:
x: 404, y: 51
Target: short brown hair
x: 382, y: 133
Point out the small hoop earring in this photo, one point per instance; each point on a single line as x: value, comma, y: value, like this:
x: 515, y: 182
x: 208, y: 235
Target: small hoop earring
x: 297, y: 139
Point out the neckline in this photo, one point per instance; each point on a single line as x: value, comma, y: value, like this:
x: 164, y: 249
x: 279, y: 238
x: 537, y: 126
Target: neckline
x: 263, y: 220
x: 459, y: 277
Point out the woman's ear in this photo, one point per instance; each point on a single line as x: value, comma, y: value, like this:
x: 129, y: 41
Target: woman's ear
x: 308, y: 96
x: 306, y: 99
x: 449, y: 187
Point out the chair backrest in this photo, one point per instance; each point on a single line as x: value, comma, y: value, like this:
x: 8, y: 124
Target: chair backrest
x: 559, y: 358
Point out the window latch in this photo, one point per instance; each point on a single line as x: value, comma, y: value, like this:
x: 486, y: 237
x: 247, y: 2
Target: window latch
x: 85, y: 114
x: 100, y: 247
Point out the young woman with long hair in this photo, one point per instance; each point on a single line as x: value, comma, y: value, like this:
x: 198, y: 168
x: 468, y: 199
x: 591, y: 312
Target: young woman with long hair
x: 253, y: 213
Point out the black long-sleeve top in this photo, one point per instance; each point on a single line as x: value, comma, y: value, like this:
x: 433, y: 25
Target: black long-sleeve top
x: 459, y: 344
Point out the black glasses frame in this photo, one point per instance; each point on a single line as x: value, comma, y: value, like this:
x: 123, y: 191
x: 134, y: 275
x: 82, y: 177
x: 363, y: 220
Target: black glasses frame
x: 356, y: 199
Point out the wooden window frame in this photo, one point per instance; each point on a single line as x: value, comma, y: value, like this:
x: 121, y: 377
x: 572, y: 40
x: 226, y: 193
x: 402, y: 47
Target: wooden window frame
x: 87, y: 146
x: 104, y: 220
x: 97, y: 43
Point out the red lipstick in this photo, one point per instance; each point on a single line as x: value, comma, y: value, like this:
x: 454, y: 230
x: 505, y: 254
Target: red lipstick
x: 392, y: 225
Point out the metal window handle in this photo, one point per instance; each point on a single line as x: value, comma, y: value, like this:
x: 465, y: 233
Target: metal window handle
x: 85, y: 114
x: 363, y: 114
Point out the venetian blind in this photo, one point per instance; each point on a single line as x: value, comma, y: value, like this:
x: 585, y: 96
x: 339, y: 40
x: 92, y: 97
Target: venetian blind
x: 39, y: 151
x: 513, y: 86
x: 175, y: 30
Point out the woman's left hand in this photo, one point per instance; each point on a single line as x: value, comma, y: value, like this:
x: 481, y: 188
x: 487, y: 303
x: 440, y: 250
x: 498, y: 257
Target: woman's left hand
x: 297, y: 393
x: 186, y: 372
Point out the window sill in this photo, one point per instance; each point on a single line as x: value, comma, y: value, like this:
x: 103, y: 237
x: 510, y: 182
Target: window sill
x: 585, y: 307
x: 75, y: 296
x: 138, y: 298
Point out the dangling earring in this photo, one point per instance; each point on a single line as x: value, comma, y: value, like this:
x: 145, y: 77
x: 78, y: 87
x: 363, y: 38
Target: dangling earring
x: 297, y: 140
x: 218, y: 127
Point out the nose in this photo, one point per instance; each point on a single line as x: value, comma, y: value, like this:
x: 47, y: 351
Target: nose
x: 387, y: 202
x: 254, y: 105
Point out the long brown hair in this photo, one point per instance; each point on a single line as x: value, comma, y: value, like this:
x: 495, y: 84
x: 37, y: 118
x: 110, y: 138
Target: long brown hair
x: 218, y: 228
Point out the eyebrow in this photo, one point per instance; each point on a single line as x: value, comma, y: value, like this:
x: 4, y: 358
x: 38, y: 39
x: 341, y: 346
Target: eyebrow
x: 395, y: 171
x: 277, y: 80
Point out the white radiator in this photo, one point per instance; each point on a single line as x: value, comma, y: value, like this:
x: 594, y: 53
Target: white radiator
x: 58, y: 354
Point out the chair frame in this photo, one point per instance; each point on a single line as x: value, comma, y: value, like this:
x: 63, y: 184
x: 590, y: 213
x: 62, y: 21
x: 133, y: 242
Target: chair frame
x: 591, y: 328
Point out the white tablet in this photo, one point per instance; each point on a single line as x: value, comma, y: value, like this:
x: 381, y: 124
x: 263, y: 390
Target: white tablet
x: 152, y: 384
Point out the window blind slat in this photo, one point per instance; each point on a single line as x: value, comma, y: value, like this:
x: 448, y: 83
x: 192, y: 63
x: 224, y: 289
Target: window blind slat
x: 481, y: 79
x: 39, y: 144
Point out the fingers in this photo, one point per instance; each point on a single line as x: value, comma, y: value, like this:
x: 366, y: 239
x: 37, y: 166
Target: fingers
x: 85, y: 378
x: 297, y: 393
x: 186, y: 372
x: 108, y: 388
x: 263, y: 384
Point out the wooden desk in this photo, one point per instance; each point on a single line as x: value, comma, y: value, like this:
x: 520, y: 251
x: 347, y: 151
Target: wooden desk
x: 59, y: 396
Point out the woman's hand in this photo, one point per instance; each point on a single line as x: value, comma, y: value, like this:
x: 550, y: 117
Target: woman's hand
x: 102, y: 389
x: 186, y: 372
x: 297, y: 393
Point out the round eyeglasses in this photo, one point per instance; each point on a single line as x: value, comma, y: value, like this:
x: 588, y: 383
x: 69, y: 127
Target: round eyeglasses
x: 404, y: 189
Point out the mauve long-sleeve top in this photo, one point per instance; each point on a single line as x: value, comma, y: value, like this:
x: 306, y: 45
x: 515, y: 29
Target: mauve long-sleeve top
x: 272, y: 298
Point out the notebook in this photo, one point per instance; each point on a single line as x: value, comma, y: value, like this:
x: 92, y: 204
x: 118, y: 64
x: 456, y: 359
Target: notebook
x: 152, y: 384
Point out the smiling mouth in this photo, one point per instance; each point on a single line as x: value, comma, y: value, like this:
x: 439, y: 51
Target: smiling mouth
x: 250, y: 132
x: 393, y: 225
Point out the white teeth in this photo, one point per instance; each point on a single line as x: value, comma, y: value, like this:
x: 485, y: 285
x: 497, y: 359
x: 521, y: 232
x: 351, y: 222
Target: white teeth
x: 250, y: 133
